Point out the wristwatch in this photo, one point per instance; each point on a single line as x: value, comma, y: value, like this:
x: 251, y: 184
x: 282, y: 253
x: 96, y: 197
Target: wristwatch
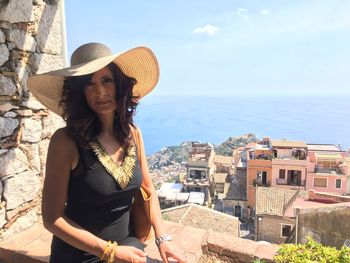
x: 163, y: 238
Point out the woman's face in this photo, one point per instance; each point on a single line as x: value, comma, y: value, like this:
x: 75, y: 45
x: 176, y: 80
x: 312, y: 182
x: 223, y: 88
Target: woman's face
x: 100, y: 92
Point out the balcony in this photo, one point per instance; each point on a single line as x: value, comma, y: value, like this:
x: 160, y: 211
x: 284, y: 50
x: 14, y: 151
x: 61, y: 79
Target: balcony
x: 289, y: 161
x: 285, y: 182
x: 259, y: 163
x: 260, y: 182
x: 196, y: 182
x: 329, y: 171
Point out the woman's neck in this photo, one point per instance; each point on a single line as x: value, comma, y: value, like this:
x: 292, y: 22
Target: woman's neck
x: 107, y: 123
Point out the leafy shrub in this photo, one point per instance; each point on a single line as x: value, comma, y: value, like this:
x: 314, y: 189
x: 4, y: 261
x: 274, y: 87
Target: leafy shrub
x: 312, y: 251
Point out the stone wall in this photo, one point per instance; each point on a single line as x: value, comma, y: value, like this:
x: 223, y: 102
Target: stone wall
x: 269, y: 228
x: 31, y: 41
x: 328, y: 225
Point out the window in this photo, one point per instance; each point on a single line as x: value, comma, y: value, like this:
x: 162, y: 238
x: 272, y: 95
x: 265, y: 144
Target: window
x: 337, y: 183
x: 320, y: 182
x: 282, y: 174
x: 238, y: 211
x: 260, y: 174
x: 286, y: 230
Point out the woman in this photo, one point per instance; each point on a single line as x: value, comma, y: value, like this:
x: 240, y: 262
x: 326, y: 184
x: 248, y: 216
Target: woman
x: 96, y: 164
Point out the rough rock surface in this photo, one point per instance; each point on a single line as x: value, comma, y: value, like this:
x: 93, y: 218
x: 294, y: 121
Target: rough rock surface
x: 21, y: 188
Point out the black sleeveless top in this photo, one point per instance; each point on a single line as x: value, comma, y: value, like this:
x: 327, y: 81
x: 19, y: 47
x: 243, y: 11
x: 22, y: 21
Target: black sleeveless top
x: 98, y: 203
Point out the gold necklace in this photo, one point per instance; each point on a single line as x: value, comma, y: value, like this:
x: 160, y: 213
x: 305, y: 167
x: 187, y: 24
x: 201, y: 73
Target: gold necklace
x: 121, y: 173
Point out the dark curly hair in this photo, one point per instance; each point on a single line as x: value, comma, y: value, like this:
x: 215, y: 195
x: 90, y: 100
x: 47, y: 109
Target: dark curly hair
x: 83, y: 124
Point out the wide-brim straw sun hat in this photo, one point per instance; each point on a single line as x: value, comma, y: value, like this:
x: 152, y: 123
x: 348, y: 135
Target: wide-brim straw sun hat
x: 139, y: 63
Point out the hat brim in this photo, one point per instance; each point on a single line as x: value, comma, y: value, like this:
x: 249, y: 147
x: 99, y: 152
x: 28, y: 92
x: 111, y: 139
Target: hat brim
x: 139, y: 63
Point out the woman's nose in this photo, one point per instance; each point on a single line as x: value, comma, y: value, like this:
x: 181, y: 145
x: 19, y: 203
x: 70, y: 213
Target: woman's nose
x: 100, y: 90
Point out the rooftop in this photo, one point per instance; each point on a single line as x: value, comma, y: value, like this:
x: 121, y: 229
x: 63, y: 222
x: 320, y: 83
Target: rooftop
x: 323, y: 147
x: 275, y: 201
x: 220, y: 177
x: 228, y: 160
x: 302, y: 203
x: 204, y: 218
x: 288, y: 144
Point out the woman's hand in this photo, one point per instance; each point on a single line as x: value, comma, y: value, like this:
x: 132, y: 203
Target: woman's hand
x: 167, y: 250
x: 130, y: 254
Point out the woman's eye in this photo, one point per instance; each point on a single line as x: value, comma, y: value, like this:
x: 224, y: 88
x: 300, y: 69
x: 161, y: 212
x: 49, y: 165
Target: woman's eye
x: 88, y: 85
x: 108, y: 80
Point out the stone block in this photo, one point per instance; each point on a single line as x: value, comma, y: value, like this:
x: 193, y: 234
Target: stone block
x: 7, y: 86
x: 7, y: 107
x: 2, y: 217
x: 232, y: 247
x: 7, y: 126
x: 43, y: 147
x: 50, y: 124
x: 21, y: 188
x: 22, y: 40
x: 4, y: 54
x: 23, y: 223
x: 22, y: 69
x: 266, y: 252
x: 32, y: 104
x: 17, y: 11
x: 24, y: 113
x: 12, y: 162
x: 41, y: 63
x: 10, y: 114
x: 31, y: 130
x: 34, y: 158
x: 2, y: 37
x: 49, y: 36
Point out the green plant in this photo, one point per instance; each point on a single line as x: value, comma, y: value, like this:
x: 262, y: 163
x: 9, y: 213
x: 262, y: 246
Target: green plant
x: 310, y: 252
x: 258, y: 260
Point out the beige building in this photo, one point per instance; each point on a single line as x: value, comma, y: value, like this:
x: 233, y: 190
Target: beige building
x: 272, y: 222
x: 200, y: 170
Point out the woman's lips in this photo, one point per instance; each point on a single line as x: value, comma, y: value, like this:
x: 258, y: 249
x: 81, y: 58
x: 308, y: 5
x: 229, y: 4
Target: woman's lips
x: 102, y: 103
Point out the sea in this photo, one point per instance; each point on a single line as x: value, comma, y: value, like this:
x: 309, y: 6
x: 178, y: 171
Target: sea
x: 172, y: 120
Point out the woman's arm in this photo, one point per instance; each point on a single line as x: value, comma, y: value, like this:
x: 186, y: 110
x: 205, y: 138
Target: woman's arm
x: 156, y: 215
x: 62, y: 157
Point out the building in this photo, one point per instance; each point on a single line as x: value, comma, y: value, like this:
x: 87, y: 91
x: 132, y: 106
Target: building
x: 273, y: 223
x: 200, y: 170
x: 276, y: 163
x: 328, y: 169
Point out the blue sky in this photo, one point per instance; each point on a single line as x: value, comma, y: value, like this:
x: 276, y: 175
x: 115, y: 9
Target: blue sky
x: 226, y: 47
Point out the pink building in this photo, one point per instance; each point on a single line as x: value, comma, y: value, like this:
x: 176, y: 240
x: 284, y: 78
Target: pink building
x: 328, y: 170
x: 289, y: 164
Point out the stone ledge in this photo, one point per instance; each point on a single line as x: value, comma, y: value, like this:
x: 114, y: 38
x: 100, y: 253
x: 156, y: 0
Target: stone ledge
x: 33, y: 245
x: 238, y: 249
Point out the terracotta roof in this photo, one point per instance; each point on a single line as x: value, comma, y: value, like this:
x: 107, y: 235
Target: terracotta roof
x: 288, y: 144
x: 275, y: 201
x: 220, y: 177
x: 203, y: 217
x: 223, y: 159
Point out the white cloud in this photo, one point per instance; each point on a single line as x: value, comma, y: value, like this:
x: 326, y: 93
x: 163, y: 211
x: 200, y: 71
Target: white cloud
x: 242, y: 13
x: 209, y: 30
x: 265, y: 12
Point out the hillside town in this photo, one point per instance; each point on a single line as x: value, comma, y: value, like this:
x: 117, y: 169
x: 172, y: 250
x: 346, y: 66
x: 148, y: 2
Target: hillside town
x: 279, y: 191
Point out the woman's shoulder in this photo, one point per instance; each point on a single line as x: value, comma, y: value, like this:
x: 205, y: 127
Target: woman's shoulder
x: 62, y: 139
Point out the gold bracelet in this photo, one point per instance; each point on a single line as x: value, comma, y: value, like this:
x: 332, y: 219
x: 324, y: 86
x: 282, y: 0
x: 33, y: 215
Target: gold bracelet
x: 113, y: 252
x: 106, y: 250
